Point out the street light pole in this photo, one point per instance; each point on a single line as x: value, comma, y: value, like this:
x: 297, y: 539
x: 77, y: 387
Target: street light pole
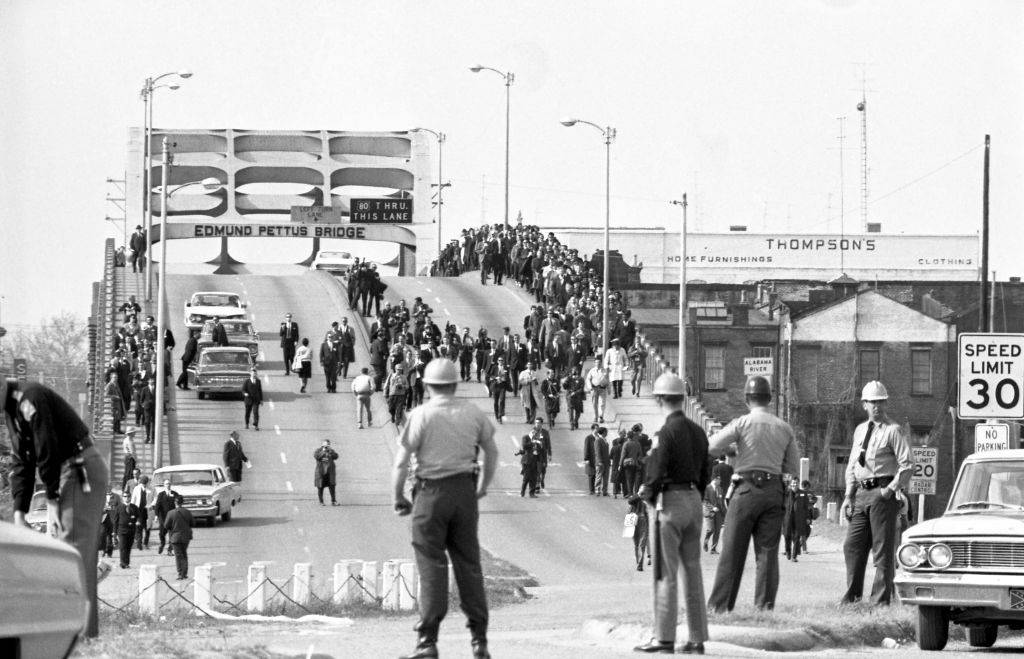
x: 509, y: 78
x: 682, y: 290
x: 609, y: 136
x: 441, y: 185
x: 149, y: 86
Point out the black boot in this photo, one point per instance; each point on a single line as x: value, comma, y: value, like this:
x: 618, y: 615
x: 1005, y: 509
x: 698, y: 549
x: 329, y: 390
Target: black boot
x: 426, y: 646
x: 480, y: 649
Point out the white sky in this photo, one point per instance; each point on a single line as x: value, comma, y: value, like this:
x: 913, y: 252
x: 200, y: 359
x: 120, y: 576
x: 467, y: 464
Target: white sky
x: 735, y: 103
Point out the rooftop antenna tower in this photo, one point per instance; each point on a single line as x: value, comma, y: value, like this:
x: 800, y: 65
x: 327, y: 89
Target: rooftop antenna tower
x: 862, y: 107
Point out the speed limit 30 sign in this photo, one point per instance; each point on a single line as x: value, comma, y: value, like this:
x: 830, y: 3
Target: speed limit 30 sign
x: 991, y: 376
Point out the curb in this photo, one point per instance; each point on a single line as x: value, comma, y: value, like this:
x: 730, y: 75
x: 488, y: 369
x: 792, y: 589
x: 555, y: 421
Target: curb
x: 755, y: 638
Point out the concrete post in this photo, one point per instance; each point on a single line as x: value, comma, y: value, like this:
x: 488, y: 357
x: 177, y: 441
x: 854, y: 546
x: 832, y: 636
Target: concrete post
x: 346, y: 581
x: 407, y: 586
x: 202, y: 593
x: 300, y: 583
x: 256, y: 602
x: 390, y: 585
x: 147, y: 590
x: 832, y: 512
x: 371, y: 582
x: 805, y: 469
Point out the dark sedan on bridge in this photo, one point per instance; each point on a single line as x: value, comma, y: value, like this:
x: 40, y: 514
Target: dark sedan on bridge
x: 220, y: 370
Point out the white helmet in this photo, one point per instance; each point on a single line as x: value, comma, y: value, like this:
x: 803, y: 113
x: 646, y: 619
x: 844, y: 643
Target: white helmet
x: 440, y: 371
x: 874, y: 390
x: 669, y: 384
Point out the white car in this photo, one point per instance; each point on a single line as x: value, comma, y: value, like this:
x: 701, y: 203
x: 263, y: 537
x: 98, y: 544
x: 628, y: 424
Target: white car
x: 333, y: 261
x: 206, y: 305
x: 207, y: 492
x: 42, y: 594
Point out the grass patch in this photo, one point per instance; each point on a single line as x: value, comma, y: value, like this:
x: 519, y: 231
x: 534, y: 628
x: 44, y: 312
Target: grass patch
x: 504, y: 582
x: 832, y: 624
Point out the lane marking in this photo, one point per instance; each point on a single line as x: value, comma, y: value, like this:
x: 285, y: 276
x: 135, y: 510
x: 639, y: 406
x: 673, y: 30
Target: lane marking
x: 262, y: 356
x: 427, y: 289
x: 584, y: 527
x: 609, y: 545
x: 270, y: 403
x: 448, y: 313
x: 438, y: 299
x: 561, y: 508
x: 277, y: 429
x: 284, y: 458
x: 288, y: 484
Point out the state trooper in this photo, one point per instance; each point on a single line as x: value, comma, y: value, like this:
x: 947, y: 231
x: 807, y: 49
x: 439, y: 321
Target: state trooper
x: 47, y: 435
x: 446, y: 434
x: 765, y: 449
x: 677, y: 472
x: 880, y: 465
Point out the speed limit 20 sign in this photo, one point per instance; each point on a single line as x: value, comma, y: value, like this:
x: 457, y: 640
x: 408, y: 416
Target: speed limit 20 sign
x: 991, y: 376
x: 926, y: 462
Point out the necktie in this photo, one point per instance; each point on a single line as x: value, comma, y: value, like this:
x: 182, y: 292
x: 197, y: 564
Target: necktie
x: 142, y: 499
x: 864, y: 444
x: 288, y: 332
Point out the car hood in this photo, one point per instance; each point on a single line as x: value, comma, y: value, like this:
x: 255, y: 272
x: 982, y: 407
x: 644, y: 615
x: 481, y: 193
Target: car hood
x: 215, y: 311
x: 972, y: 524
x: 193, y: 490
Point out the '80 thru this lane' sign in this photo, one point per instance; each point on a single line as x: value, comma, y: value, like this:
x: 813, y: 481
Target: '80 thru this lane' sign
x: 990, y: 376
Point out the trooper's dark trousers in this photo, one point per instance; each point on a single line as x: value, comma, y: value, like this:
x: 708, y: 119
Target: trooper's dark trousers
x: 444, y: 519
x: 872, y: 528
x: 755, y: 512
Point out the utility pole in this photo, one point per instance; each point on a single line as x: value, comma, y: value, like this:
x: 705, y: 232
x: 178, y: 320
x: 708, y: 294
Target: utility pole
x: 842, y: 195
x: 982, y: 303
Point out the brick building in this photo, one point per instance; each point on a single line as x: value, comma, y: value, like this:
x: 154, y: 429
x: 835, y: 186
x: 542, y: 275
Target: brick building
x: 829, y: 352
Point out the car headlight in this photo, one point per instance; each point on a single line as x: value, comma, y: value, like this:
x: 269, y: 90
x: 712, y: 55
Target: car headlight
x: 940, y: 556
x: 910, y: 555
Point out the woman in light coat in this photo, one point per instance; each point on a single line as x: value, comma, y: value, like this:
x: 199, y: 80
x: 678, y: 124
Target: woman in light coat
x: 616, y: 361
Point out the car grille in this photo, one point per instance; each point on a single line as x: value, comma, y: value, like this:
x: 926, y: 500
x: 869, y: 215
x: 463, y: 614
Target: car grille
x: 987, y: 554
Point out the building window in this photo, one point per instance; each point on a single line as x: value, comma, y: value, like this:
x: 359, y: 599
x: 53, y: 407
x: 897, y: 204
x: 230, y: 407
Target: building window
x: 714, y: 367
x: 761, y: 351
x: 869, y: 366
x: 807, y: 374
x: 837, y: 469
x: 921, y: 371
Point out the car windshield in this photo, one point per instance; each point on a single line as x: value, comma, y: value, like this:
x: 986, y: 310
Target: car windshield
x: 335, y: 255
x: 236, y: 328
x: 231, y: 358
x: 189, y: 477
x: 213, y: 300
x: 992, y: 485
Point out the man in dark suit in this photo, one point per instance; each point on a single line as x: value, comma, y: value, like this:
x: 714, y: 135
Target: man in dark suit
x: 163, y: 505
x: 179, y: 528
x: 330, y: 360
x: 123, y: 518
x: 187, y: 357
x: 289, y: 336
x: 147, y: 401
x: 346, y: 347
x: 220, y: 334
x: 234, y: 457
x: 252, y: 394
x: 137, y: 244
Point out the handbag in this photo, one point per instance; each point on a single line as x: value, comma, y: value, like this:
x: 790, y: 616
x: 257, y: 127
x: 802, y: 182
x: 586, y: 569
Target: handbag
x: 629, y: 525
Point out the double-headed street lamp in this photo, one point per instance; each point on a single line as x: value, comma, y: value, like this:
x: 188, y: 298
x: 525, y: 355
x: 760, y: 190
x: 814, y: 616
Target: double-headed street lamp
x: 609, y: 136
x: 441, y: 185
x: 161, y: 301
x: 148, y: 87
x: 509, y: 79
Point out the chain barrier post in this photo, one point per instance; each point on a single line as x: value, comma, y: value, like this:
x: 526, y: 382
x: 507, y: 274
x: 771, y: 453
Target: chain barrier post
x: 301, y: 578
x: 370, y: 578
x: 202, y: 588
x: 409, y: 592
x: 342, y: 582
x: 389, y: 583
x: 256, y: 602
x: 147, y: 590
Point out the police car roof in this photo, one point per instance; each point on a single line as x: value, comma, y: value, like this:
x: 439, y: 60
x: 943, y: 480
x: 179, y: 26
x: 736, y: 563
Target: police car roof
x: 986, y: 456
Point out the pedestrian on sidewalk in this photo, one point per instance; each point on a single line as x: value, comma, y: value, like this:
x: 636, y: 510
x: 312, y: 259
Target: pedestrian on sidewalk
x: 346, y: 346
x: 765, y: 449
x: 714, y: 513
x: 148, y: 404
x: 330, y: 361
x: 252, y: 394
x: 128, y: 448
x: 117, y: 408
x: 165, y: 501
x: 142, y: 497
x: 123, y: 519
x: 677, y: 473
x: 615, y: 364
x: 446, y: 435
x: 303, y: 363
x: 529, y: 391
x: 590, y: 457
x: 188, y: 355
x: 603, y: 456
x: 324, y: 476
x: 179, y: 527
x: 880, y: 465
x: 395, y: 389
x: 362, y: 388
x: 596, y: 384
x: 289, y: 334
x: 796, y: 523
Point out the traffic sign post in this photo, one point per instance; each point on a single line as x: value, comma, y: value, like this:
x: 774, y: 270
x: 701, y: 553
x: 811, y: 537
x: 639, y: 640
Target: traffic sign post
x: 21, y: 369
x: 991, y: 437
x: 990, y: 379
x: 922, y: 482
x: 758, y: 366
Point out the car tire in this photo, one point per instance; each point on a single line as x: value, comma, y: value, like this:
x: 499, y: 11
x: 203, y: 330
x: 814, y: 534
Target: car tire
x: 226, y: 517
x: 213, y: 518
x: 982, y: 636
x: 932, y: 627
x: 200, y: 395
